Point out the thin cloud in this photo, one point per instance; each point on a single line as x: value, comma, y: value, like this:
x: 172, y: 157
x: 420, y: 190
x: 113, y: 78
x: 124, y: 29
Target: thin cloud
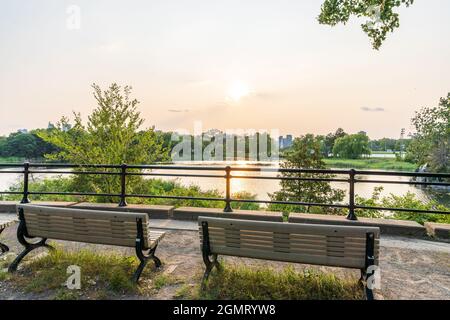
x: 178, y: 110
x: 377, y: 109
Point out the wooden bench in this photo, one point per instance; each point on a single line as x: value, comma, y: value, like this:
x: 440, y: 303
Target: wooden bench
x: 327, y: 245
x: 90, y: 226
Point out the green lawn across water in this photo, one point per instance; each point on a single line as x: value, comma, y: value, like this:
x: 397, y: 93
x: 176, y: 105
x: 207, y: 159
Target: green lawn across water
x: 11, y: 160
x: 371, y: 163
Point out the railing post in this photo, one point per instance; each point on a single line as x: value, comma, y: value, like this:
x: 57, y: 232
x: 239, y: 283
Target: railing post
x: 26, y: 169
x: 228, y: 191
x: 123, y: 186
x: 351, y: 201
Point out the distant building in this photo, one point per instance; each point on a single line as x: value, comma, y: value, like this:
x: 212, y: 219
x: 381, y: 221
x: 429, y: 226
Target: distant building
x: 22, y: 131
x: 285, y: 142
x: 280, y: 142
x: 288, y: 140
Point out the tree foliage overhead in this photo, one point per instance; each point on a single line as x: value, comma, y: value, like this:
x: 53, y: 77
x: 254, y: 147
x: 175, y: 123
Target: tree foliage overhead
x: 305, y: 154
x: 381, y: 15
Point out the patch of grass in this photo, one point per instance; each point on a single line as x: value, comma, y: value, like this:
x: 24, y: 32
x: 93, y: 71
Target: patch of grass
x: 50, y: 272
x: 186, y: 291
x: 249, y: 283
x: 162, y: 280
x: 103, y: 275
x: 67, y: 295
x: 370, y: 163
x: 6, y: 259
x: 3, y: 275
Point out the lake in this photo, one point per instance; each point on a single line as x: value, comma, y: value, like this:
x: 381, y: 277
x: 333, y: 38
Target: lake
x: 258, y: 186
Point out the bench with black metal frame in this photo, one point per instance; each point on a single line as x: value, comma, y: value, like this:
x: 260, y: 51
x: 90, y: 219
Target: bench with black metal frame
x: 89, y: 226
x: 328, y: 245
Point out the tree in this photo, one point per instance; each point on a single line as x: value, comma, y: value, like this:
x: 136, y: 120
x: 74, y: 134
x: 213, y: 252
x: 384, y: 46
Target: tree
x: 2, y: 146
x: 381, y: 13
x: 25, y: 145
x: 351, y: 146
x: 431, y: 142
x: 305, y: 153
x: 112, y: 135
x: 330, y: 139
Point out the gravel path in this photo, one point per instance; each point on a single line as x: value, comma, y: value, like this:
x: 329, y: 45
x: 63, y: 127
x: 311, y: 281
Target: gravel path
x: 410, y: 268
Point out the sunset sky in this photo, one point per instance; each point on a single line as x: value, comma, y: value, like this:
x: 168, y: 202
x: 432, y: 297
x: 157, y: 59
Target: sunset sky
x: 253, y: 64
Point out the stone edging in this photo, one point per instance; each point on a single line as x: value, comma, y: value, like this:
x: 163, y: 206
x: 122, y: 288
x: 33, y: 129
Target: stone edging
x: 387, y: 226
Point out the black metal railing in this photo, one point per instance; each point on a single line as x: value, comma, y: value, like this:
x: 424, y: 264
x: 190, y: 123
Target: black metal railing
x: 124, y: 171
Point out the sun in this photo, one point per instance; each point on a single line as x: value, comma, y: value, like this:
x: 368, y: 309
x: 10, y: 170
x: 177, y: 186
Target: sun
x: 237, y: 90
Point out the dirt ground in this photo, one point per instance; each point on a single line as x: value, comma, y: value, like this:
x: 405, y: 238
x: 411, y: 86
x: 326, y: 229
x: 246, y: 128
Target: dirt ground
x: 410, y: 268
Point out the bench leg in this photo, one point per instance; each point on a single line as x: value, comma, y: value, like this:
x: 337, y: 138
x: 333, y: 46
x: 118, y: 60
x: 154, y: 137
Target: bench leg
x: 209, y: 266
x: 3, y: 247
x: 363, y: 282
x: 28, y: 248
x: 143, y: 258
x: 22, y: 236
x: 138, y: 272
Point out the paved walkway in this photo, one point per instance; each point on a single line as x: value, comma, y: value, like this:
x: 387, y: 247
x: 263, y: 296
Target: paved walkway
x: 7, y: 217
x: 168, y: 224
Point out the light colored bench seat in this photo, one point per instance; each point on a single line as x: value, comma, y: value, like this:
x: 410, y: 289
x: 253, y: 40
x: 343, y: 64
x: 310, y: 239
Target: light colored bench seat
x: 125, y: 229
x: 328, y: 245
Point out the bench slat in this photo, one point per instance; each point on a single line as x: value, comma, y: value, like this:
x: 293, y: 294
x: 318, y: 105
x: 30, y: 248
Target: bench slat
x: 281, y: 236
x: 293, y: 257
x: 328, y: 230
x: 319, y: 240
x: 98, y: 238
x: 83, y: 213
x: 323, y: 249
x: 69, y: 225
x: 38, y: 232
x: 33, y: 230
x: 322, y: 253
x: 348, y: 245
x: 346, y: 242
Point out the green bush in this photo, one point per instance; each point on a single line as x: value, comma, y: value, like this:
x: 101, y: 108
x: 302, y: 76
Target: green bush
x: 156, y: 187
x: 408, y: 201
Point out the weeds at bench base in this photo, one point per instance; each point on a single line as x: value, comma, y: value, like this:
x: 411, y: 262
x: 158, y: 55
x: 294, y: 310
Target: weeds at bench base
x: 261, y: 283
x: 108, y: 276
x: 103, y: 276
